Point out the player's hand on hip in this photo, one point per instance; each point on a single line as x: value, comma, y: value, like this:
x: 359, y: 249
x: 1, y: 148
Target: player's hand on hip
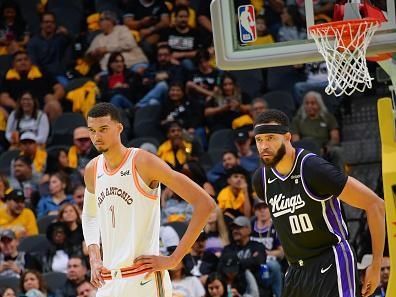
x: 153, y: 263
x: 96, y: 277
x: 371, y: 281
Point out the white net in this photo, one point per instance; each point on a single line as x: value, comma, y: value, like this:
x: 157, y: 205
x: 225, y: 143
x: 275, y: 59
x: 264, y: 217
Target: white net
x: 343, y: 45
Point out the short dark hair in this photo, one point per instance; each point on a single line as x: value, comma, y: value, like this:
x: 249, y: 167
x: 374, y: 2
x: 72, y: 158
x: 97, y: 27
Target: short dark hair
x: 234, y: 153
x: 18, y: 53
x: 24, y: 159
x: 104, y: 109
x: 180, y: 8
x: 47, y: 13
x: 164, y: 46
x: 272, y: 115
x: 83, y: 261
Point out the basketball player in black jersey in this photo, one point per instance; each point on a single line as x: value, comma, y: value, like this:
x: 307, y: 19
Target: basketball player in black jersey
x: 303, y: 192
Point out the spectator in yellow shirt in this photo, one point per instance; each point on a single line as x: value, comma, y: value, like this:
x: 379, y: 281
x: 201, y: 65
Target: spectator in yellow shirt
x: 16, y: 216
x: 263, y: 36
x: 236, y: 195
x: 175, y: 151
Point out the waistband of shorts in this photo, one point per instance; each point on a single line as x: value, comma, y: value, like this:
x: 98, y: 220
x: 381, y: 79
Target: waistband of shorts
x: 124, y: 272
x: 308, y: 261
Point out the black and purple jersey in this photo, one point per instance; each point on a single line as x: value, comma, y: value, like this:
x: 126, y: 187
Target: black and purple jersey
x: 307, y: 214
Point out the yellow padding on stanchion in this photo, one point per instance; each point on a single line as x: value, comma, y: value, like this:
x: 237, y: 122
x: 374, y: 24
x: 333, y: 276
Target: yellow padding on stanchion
x: 386, y: 118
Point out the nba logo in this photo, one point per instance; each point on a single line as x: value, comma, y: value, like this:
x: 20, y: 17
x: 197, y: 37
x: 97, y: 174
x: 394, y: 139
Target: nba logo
x: 247, y: 23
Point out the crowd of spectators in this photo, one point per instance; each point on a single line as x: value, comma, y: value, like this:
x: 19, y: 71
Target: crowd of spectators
x: 146, y: 55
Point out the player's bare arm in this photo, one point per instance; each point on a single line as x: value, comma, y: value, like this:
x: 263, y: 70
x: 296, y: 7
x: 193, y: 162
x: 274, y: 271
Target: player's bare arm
x: 154, y: 170
x: 93, y: 249
x: 358, y: 195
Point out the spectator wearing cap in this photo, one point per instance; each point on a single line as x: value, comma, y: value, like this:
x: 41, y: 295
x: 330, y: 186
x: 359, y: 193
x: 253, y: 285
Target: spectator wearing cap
x: 16, y: 216
x: 116, y: 38
x: 263, y: 231
x: 239, y: 281
x: 12, y: 261
x: 31, y: 149
x: 48, y: 47
x: 251, y: 254
x: 82, y: 150
x: 24, y: 75
x: 249, y: 159
x: 175, y: 151
x: 236, y: 194
x: 384, y: 277
x: 199, y: 262
x: 27, y: 117
x: 22, y: 178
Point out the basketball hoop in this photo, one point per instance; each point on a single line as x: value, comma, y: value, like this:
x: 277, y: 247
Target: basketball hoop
x: 343, y: 45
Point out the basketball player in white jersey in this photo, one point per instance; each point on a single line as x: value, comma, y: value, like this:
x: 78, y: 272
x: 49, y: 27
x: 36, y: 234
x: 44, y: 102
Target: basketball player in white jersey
x: 122, y: 212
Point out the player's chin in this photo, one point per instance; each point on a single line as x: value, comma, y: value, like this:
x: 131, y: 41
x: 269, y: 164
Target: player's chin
x: 101, y: 149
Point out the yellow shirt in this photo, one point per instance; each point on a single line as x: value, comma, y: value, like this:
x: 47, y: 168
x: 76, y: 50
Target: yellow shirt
x: 23, y: 225
x: 226, y: 199
x: 266, y: 39
x: 165, y: 152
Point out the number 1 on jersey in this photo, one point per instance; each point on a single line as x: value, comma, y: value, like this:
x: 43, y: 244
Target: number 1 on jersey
x: 112, y: 215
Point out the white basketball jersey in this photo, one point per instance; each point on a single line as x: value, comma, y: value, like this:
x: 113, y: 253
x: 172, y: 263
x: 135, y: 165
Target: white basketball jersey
x: 128, y: 213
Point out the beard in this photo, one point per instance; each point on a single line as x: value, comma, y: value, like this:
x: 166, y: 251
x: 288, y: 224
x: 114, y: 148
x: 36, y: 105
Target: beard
x: 277, y: 157
x: 101, y: 151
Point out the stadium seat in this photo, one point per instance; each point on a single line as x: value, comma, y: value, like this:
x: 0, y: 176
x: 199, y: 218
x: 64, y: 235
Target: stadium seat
x: 137, y: 142
x: 36, y: 244
x: 69, y: 14
x: 44, y: 222
x: 281, y: 100
x: 180, y: 227
x: 6, y: 159
x: 250, y: 81
x: 222, y: 139
x: 63, y: 127
x: 55, y: 148
x: 55, y: 280
x: 9, y: 282
x: 307, y: 144
x: 30, y: 15
x: 148, y: 128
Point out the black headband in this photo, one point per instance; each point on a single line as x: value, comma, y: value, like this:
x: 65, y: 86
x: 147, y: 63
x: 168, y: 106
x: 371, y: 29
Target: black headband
x: 270, y: 129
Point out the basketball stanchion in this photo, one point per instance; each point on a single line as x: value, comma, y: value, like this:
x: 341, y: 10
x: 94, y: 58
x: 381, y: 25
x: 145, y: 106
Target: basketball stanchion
x: 343, y: 45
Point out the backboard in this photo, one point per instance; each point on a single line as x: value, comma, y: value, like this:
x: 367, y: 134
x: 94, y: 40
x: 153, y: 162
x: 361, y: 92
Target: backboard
x: 237, y: 49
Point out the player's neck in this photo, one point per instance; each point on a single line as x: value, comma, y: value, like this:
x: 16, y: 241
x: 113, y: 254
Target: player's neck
x: 115, y: 156
x: 286, y: 164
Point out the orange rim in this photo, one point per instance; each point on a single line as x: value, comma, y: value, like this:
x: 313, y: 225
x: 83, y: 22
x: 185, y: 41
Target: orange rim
x: 379, y: 57
x: 339, y: 24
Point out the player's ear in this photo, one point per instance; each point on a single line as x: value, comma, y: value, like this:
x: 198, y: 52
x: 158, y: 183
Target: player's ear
x: 288, y: 136
x: 121, y: 127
